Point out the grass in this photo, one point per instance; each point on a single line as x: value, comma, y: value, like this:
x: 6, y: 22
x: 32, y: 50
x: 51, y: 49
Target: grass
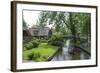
x: 41, y: 53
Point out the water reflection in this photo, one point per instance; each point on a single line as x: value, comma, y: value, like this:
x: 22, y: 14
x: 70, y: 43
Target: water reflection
x: 65, y: 55
x: 70, y: 53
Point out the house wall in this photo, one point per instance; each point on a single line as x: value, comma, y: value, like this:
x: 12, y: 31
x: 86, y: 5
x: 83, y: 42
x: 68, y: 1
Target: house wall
x: 40, y: 31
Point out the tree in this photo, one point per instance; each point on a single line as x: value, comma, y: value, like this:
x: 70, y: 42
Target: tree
x: 68, y: 23
x: 42, y: 19
x: 25, y: 26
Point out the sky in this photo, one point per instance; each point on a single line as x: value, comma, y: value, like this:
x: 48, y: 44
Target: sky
x: 30, y: 17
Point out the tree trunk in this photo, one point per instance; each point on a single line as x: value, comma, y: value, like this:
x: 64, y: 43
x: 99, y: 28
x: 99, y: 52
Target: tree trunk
x: 72, y: 27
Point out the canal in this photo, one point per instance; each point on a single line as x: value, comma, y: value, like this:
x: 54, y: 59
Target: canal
x: 70, y: 53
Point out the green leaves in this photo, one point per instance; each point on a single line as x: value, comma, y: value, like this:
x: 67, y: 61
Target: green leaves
x: 67, y: 22
x: 25, y: 26
x: 42, y: 20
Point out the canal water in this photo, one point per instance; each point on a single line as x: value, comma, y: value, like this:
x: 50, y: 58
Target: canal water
x: 64, y: 54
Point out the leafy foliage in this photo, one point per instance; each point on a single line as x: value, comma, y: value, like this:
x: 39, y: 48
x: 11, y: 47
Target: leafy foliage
x: 25, y: 24
x: 40, y: 53
x: 64, y: 24
x: 68, y: 23
x: 31, y: 44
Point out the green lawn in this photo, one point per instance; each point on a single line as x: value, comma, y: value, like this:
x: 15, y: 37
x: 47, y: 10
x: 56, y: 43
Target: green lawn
x: 41, y: 53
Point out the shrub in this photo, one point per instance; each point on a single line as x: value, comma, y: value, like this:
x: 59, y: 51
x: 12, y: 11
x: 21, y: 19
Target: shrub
x: 43, y: 40
x: 29, y: 46
x: 24, y: 48
x: 30, y: 56
x: 35, y: 39
x: 35, y: 44
x: 56, y: 41
x: 33, y: 56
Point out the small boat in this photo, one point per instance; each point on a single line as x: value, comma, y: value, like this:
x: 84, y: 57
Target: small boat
x: 73, y: 50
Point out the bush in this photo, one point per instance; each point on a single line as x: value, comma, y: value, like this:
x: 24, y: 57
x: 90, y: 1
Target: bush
x: 30, y: 56
x: 34, y: 56
x: 35, y: 44
x: 43, y: 40
x: 56, y: 41
x: 29, y: 46
x: 35, y: 39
